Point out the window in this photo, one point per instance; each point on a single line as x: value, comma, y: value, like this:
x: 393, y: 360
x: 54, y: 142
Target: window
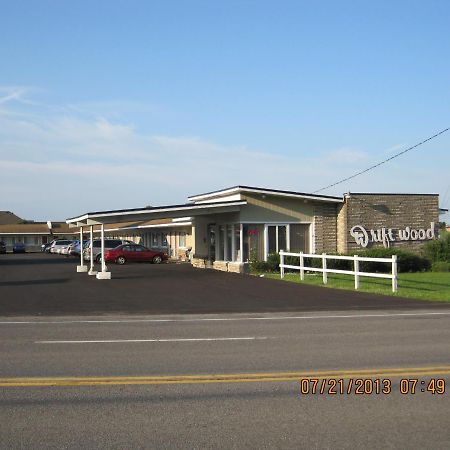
x: 253, y: 242
x: 299, y: 238
x: 182, y: 240
x: 277, y: 238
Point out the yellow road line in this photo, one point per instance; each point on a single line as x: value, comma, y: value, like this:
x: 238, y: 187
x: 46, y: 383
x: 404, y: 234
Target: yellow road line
x: 225, y: 378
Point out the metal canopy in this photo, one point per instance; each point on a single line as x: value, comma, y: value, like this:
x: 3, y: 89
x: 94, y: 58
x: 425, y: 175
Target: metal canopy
x: 161, y: 212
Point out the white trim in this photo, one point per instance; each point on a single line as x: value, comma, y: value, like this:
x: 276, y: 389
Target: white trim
x: 288, y: 236
x: 182, y: 219
x: 241, y: 243
x: 266, y: 192
x: 162, y: 225
x: 266, y: 241
x: 265, y: 222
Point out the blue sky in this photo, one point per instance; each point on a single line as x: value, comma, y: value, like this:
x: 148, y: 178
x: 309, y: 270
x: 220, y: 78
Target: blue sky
x: 129, y: 103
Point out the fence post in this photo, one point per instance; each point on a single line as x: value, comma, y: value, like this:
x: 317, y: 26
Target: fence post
x: 394, y: 273
x: 324, y: 267
x: 282, y: 264
x: 356, y: 268
x: 302, y: 265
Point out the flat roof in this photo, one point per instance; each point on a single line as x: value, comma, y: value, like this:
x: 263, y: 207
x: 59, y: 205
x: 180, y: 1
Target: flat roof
x: 386, y: 193
x: 260, y: 190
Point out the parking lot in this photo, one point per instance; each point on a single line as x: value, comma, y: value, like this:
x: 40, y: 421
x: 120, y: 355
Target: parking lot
x: 43, y: 284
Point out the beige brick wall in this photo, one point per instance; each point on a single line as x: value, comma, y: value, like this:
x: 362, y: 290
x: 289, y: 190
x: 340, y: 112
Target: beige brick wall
x: 342, y: 229
x: 394, y: 211
x: 325, y: 227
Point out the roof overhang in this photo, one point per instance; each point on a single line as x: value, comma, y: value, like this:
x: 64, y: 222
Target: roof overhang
x: 256, y: 190
x: 163, y: 212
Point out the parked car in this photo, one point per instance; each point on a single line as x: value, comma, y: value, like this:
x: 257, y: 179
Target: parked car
x: 65, y: 248
x: 19, y: 247
x: 75, y: 248
x: 135, y: 253
x: 97, y: 243
x: 46, y: 247
x: 2, y: 247
x: 58, y: 245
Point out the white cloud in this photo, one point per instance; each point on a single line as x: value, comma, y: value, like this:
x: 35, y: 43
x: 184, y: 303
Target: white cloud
x: 58, y: 165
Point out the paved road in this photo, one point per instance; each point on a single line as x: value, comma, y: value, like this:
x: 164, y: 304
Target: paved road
x: 256, y: 414
x: 43, y: 284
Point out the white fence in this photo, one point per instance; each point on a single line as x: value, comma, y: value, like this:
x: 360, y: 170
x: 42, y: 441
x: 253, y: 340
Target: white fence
x: 325, y: 271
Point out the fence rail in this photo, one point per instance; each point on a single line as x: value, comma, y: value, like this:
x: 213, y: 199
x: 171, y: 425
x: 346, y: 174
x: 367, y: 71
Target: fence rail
x: 355, y: 272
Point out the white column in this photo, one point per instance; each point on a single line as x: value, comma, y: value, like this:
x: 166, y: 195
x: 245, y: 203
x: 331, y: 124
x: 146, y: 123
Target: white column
x: 241, y: 243
x: 233, y: 243
x: 288, y: 237
x: 81, y: 267
x: 103, y: 275
x: 266, y: 241
x: 91, y: 251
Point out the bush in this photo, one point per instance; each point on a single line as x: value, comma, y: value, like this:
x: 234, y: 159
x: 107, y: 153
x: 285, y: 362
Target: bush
x: 439, y: 249
x: 407, y: 261
x: 440, y: 266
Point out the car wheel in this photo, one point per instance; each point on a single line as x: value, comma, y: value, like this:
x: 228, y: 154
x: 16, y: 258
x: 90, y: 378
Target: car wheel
x: 157, y: 259
x: 121, y: 260
x: 98, y: 258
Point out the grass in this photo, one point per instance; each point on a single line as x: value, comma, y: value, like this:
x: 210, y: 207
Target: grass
x: 433, y: 286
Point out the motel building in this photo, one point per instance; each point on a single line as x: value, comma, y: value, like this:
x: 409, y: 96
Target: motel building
x: 227, y: 228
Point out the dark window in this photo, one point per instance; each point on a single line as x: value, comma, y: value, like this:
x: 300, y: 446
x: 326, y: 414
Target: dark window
x: 299, y: 238
x: 272, y: 231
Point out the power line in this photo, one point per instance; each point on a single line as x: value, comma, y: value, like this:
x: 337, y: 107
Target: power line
x: 383, y: 162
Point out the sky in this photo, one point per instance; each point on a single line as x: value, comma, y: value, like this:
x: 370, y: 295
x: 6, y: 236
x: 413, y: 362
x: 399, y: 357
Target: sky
x: 122, y: 104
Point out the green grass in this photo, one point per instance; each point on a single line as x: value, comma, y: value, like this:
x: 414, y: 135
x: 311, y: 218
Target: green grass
x: 432, y: 286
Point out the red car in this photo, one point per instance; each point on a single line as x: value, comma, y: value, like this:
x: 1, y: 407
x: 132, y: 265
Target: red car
x: 134, y: 253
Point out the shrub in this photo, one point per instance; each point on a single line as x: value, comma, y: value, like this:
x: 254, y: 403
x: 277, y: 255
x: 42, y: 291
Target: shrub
x: 407, y: 261
x: 440, y: 266
x: 273, y: 261
x: 439, y: 249
x: 256, y: 265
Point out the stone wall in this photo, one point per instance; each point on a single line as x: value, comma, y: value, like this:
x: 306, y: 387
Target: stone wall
x: 393, y: 212
x: 224, y: 266
x: 325, y: 227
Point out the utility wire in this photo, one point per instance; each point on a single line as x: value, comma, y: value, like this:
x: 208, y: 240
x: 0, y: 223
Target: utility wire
x: 383, y: 162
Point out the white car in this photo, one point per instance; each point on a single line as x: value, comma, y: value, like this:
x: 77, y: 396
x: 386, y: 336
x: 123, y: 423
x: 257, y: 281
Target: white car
x: 58, y: 245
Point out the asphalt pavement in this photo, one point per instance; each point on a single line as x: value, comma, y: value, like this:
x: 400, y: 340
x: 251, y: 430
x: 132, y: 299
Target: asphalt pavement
x: 45, y: 284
